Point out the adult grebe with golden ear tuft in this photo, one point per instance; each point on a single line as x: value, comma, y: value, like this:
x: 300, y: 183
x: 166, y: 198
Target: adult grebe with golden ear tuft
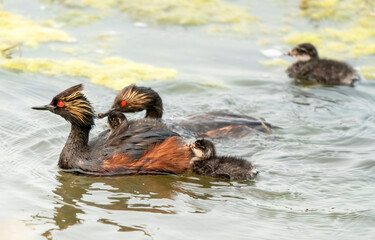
x: 212, y: 124
x: 310, y: 67
x: 206, y: 163
x: 142, y: 147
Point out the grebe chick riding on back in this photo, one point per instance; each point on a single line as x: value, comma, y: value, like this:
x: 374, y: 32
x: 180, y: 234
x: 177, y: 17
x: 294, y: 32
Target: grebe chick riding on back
x: 212, y: 124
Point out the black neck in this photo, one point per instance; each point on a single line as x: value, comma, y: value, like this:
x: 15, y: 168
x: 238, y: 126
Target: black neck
x: 76, y: 147
x: 156, y: 109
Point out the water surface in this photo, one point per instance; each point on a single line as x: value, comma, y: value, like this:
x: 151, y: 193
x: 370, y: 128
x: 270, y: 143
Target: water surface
x: 317, y: 172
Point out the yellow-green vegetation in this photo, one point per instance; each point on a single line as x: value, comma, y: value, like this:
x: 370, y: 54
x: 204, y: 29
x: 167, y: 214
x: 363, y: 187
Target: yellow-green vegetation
x: 355, y: 33
x: 355, y: 41
x: 77, y: 17
x: 182, y: 12
x: 98, y: 4
x: 334, y: 9
x: 300, y: 37
x: 334, y: 48
x: 364, y: 49
x: 368, y: 72
x: 274, y: 62
x: 350, y: 35
x: 15, y: 29
x: 193, y: 12
x: 113, y: 72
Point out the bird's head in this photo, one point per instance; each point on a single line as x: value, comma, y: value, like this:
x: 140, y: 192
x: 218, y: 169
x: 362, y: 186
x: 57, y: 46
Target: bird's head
x: 72, y: 105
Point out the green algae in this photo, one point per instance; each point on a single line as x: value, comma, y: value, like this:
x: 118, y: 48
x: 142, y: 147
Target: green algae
x: 324, y: 3
x: 335, y: 47
x: 363, y: 49
x: 77, y: 18
x: 300, y: 37
x: 354, y: 41
x: 113, y: 72
x: 98, y: 4
x: 358, y: 32
x: 331, y: 9
x: 180, y: 12
x: 353, y: 35
x: 16, y: 29
x: 368, y: 72
x: 367, y: 21
x: 350, y: 40
x: 350, y: 35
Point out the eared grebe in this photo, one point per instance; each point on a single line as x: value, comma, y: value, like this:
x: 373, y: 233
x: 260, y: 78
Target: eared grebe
x: 213, y: 124
x: 310, y: 67
x: 141, y: 148
x: 206, y: 163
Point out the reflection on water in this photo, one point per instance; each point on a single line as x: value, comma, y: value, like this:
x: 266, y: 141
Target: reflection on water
x: 145, y: 194
x: 109, y: 194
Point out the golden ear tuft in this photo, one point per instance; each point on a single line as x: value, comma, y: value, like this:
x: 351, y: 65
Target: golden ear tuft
x: 133, y: 96
x: 74, y: 90
x: 75, y: 102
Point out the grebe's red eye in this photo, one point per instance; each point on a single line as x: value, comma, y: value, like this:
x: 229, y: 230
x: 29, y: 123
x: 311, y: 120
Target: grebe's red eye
x: 60, y: 104
x: 123, y: 103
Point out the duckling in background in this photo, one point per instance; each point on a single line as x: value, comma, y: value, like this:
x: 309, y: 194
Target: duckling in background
x: 310, y: 67
x: 206, y: 163
x: 141, y: 147
x: 212, y: 124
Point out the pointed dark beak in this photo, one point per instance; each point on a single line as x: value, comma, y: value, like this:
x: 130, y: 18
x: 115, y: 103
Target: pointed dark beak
x: 45, y: 107
x: 102, y: 115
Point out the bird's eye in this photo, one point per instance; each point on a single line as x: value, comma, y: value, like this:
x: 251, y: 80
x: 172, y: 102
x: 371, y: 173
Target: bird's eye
x: 123, y: 103
x: 60, y: 104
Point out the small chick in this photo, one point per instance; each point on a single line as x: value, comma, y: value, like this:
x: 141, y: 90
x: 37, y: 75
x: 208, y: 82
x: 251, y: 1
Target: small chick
x: 122, y: 129
x: 310, y: 67
x: 115, y: 119
x: 206, y: 163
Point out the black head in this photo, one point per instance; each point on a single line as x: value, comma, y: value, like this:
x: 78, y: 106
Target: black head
x: 135, y: 99
x: 115, y: 119
x: 203, y: 148
x: 72, y: 105
x: 304, y: 52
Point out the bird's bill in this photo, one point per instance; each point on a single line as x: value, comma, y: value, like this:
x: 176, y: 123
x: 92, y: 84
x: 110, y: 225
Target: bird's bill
x: 291, y: 53
x: 44, y: 107
x: 102, y: 115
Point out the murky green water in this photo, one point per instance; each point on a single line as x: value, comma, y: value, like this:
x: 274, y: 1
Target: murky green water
x: 317, y: 177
